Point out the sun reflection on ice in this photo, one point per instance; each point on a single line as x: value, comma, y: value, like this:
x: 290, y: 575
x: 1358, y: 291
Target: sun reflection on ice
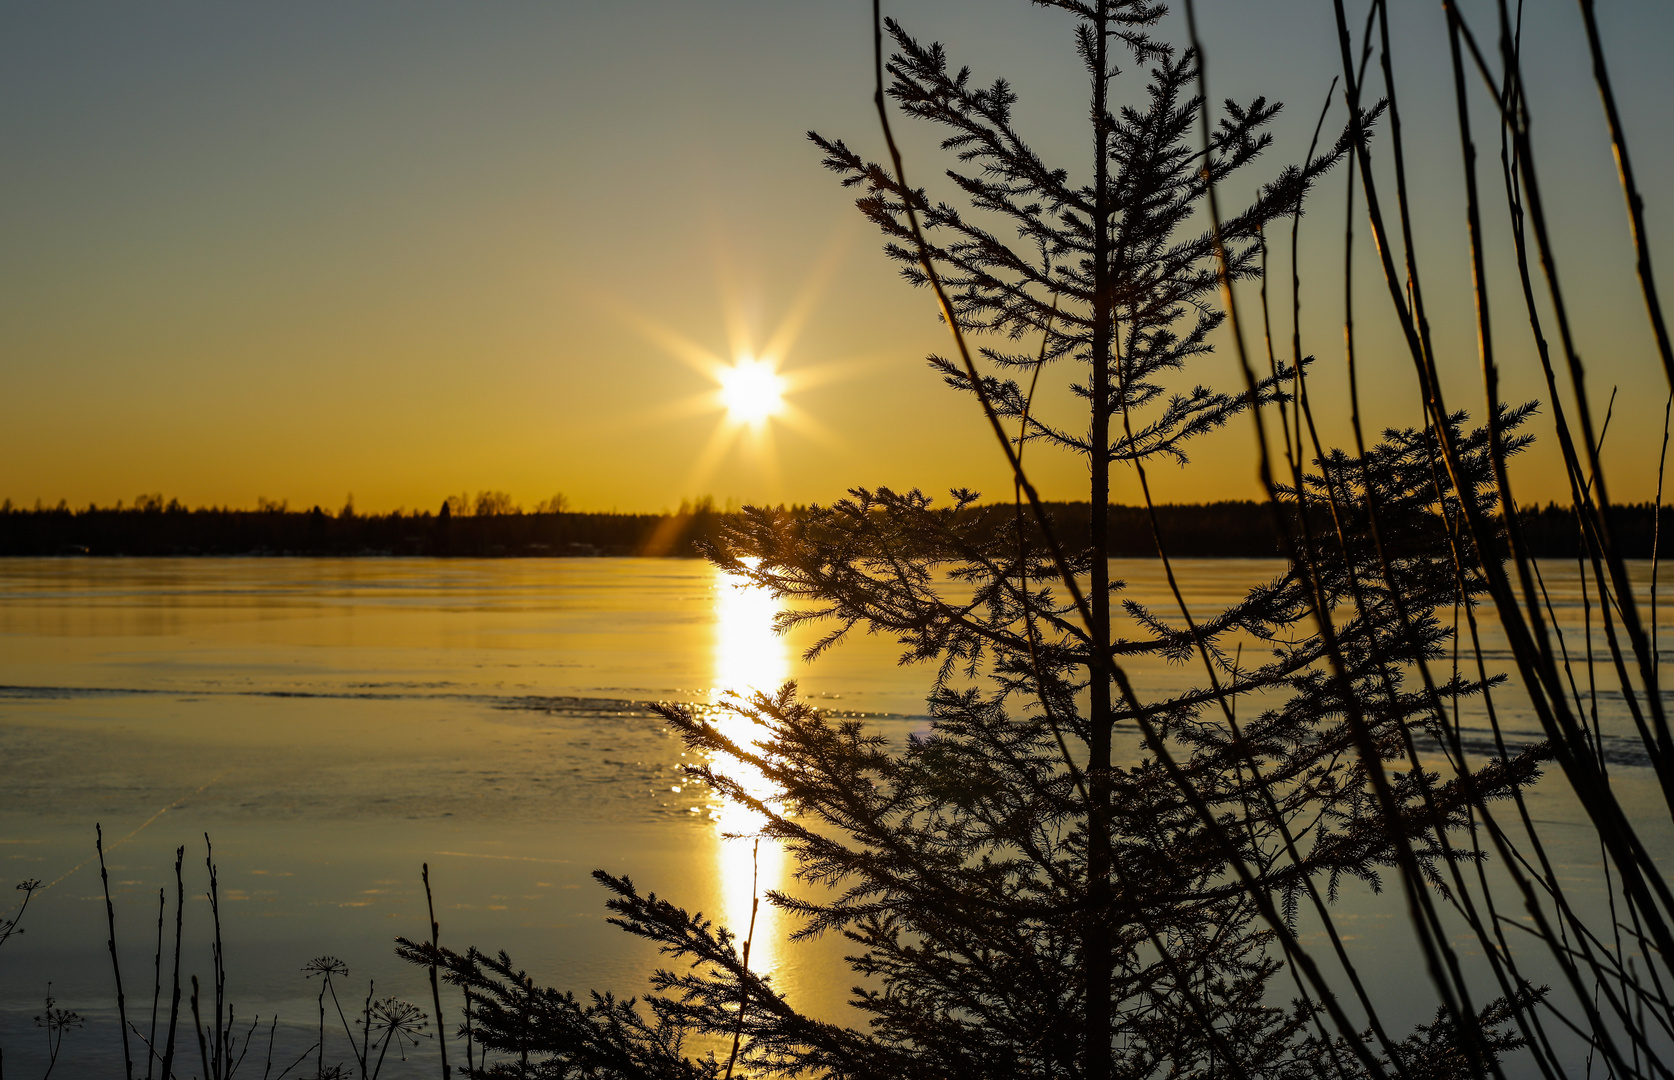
x: 749, y: 657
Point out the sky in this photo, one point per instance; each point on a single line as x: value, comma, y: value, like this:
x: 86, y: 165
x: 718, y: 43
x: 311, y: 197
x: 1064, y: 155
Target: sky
x: 309, y: 251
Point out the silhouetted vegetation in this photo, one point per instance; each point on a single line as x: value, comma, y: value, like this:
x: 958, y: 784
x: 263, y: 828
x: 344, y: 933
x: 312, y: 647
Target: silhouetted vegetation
x: 1073, y: 875
x: 229, y: 1045
x: 492, y: 529
x: 1076, y: 875
x: 1233, y: 529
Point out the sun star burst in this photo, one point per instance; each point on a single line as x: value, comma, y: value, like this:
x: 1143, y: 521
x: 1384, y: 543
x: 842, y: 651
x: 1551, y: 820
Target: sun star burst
x: 752, y: 391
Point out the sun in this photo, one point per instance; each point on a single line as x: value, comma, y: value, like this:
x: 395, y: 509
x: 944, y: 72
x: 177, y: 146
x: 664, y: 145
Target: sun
x: 753, y: 396
x: 752, y: 391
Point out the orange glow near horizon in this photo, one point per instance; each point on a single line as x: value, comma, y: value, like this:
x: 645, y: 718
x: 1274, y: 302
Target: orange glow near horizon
x: 466, y: 256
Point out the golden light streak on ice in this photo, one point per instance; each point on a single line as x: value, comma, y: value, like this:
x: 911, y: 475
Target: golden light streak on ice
x: 749, y: 657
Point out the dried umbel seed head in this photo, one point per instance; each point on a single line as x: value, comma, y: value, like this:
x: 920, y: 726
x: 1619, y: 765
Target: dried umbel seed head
x: 55, y: 1020
x: 325, y: 965
x: 400, y: 1021
x: 401, y: 1017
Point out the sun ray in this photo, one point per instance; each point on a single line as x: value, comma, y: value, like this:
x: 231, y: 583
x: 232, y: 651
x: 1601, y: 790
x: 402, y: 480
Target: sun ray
x: 803, y: 423
x: 704, y: 465
x: 739, y: 338
x: 784, y: 336
x: 704, y: 361
x: 833, y: 371
x: 703, y: 404
x: 766, y: 459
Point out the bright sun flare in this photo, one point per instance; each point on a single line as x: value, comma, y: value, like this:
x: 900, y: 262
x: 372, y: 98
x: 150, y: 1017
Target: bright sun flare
x: 752, y: 391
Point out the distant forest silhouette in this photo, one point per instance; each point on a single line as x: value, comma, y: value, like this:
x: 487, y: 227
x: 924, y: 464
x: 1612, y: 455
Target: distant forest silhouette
x: 493, y: 526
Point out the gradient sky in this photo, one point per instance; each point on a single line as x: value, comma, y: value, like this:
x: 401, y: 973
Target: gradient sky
x: 309, y: 249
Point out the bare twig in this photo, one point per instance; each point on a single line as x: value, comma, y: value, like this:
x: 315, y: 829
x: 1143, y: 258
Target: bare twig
x: 115, y: 964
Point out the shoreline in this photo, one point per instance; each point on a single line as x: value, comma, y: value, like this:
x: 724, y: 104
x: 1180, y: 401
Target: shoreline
x: 1221, y: 530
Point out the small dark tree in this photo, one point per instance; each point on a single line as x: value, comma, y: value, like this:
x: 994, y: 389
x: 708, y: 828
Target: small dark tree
x: 1072, y: 876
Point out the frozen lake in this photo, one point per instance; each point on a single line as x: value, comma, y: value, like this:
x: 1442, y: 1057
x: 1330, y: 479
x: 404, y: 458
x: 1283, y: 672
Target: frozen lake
x: 334, y: 724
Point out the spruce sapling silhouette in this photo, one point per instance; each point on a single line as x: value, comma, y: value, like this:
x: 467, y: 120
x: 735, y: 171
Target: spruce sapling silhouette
x: 1064, y: 878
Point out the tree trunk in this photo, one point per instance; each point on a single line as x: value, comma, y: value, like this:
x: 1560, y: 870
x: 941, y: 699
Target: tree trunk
x: 1097, y: 941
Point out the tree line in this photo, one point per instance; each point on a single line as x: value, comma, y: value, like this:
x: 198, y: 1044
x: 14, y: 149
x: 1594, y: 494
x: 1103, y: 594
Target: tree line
x: 482, y: 529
